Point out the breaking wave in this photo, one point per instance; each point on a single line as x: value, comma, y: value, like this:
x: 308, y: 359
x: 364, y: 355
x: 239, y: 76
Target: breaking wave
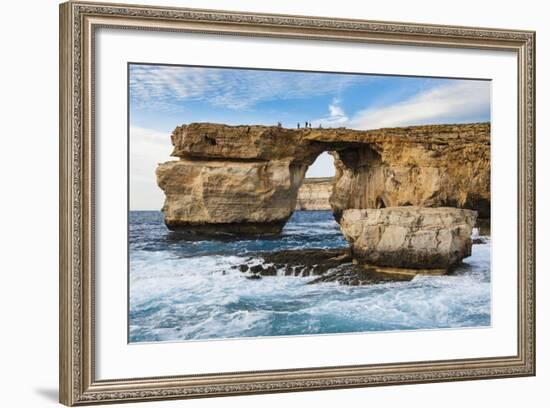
x: 188, y: 290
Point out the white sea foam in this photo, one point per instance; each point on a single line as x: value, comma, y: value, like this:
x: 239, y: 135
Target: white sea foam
x: 175, y: 297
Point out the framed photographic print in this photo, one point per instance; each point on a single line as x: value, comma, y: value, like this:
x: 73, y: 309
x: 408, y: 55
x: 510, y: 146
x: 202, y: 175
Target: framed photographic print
x: 256, y: 203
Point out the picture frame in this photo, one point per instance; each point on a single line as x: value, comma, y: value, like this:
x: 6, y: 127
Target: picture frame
x: 79, y: 22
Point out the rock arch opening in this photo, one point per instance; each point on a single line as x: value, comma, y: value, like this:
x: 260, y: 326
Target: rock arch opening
x: 322, y: 166
x: 245, y: 179
x: 317, y: 185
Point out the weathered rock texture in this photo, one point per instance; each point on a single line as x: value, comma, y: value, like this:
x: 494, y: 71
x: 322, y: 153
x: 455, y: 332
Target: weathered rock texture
x: 245, y: 179
x: 428, y: 166
x: 327, y: 265
x: 409, y: 237
x: 234, y: 197
x: 314, y: 194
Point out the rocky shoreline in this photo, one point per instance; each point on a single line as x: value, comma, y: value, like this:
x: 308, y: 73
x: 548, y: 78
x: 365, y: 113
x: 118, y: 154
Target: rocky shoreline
x: 329, y: 265
x: 326, y: 265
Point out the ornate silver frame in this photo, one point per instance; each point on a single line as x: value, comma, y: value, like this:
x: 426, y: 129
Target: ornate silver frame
x: 78, y: 21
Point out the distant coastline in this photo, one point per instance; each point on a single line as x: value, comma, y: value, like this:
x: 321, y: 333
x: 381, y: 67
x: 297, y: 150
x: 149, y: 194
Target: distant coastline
x: 314, y: 194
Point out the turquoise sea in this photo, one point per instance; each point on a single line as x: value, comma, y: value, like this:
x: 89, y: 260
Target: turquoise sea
x: 187, y: 290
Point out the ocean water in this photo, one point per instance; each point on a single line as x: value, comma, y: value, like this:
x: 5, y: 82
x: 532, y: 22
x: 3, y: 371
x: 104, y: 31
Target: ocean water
x: 186, y: 290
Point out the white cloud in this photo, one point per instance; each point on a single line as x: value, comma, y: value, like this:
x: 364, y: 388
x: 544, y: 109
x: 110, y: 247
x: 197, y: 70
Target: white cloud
x: 454, y: 102
x: 169, y: 87
x: 336, y: 117
x: 148, y: 147
x: 461, y: 101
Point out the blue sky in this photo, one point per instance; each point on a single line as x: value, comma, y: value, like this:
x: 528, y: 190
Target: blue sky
x: 163, y: 97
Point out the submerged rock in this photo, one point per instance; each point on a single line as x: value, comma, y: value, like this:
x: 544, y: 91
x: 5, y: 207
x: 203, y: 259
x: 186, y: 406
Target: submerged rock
x: 355, y: 275
x: 326, y: 265
x: 296, y: 262
x: 479, y: 240
x: 409, y: 237
x: 305, y: 262
x: 256, y: 269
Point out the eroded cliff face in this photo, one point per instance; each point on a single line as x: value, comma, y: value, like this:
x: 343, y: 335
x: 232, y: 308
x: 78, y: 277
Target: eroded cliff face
x: 215, y: 197
x: 245, y: 179
x: 314, y: 194
x: 409, y: 237
x: 427, y: 166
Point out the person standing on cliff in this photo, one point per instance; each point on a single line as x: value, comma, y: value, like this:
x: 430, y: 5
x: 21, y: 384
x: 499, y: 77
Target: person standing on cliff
x: 298, y: 125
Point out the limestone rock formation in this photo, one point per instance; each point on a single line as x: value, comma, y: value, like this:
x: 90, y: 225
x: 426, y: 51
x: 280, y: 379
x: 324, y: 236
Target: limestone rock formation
x: 428, y: 166
x: 409, y: 237
x: 233, y: 197
x: 245, y: 179
x: 314, y: 194
x: 217, y: 141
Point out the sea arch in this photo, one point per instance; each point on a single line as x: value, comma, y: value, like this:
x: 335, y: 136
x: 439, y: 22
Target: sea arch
x: 244, y: 180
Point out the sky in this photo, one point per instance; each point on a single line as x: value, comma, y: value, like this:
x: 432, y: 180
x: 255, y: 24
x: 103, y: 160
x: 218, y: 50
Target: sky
x: 163, y: 97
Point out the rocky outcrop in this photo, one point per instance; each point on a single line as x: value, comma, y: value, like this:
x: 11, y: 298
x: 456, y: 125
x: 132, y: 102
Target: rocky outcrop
x: 409, y: 237
x: 245, y: 179
x: 323, y: 265
x: 428, y: 166
x: 219, y: 198
x: 314, y: 194
x: 296, y: 262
